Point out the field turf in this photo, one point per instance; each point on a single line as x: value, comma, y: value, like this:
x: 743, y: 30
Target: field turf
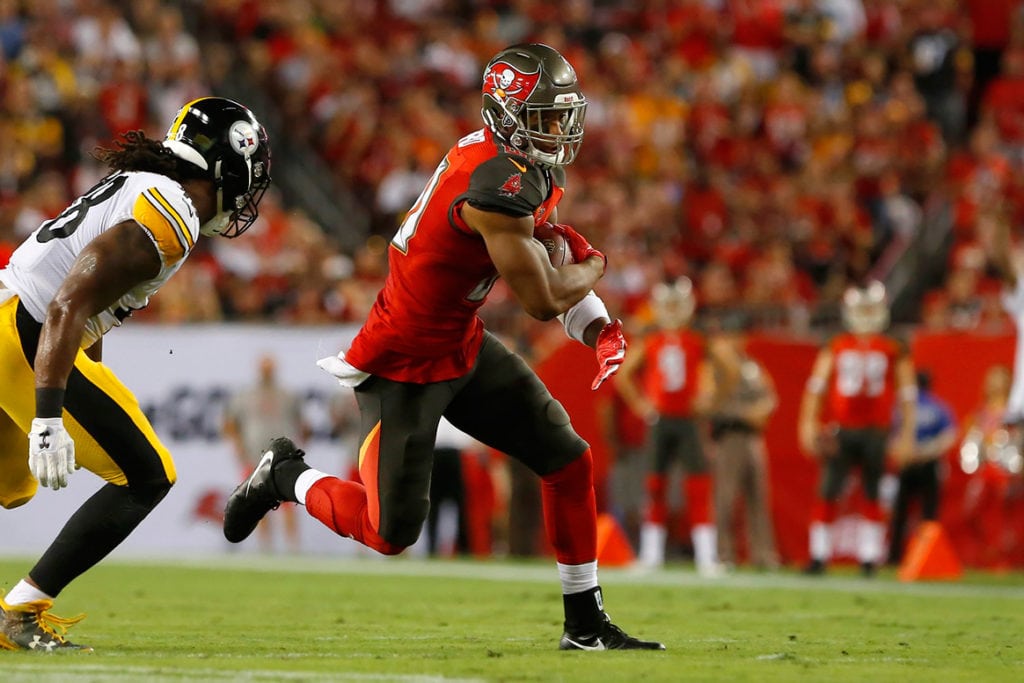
x: 250, y: 618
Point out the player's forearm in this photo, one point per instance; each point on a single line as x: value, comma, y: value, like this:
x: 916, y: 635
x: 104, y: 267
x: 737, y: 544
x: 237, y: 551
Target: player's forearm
x: 570, y: 283
x: 809, y: 409
x: 908, y: 421
x: 936, y: 446
x: 760, y: 412
x: 627, y: 388
x: 59, y: 342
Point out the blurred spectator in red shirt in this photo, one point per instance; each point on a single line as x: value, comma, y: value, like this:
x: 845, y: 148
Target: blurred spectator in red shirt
x: 1004, y: 101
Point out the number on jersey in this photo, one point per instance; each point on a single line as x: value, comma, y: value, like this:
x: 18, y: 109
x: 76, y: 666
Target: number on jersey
x: 861, y: 373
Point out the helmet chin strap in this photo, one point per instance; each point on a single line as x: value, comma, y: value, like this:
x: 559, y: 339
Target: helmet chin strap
x: 216, y: 225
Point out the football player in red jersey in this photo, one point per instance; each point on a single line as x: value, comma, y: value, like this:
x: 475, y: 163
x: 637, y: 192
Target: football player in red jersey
x: 855, y: 381
x: 423, y: 352
x: 669, y: 383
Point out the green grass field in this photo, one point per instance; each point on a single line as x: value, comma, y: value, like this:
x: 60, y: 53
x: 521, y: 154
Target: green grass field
x: 416, y: 621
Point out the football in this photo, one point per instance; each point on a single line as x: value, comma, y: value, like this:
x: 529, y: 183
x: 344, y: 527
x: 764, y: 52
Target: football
x: 554, y: 243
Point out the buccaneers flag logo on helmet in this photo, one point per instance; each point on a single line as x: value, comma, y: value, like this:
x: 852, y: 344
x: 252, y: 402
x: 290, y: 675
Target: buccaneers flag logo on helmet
x: 503, y: 80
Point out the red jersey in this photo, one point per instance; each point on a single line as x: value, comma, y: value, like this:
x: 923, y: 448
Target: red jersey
x: 424, y: 326
x: 671, y: 362
x: 862, y: 386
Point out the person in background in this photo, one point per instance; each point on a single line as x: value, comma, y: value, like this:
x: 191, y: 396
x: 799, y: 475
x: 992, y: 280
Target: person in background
x: 447, y: 487
x: 1005, y: 260
x: 626, y: 436
x: 252, y: 418
x: 920, y: 473
x: 857, y: 380
x: 667, y: 381
x: 990, y: 455
x: 743, y: 402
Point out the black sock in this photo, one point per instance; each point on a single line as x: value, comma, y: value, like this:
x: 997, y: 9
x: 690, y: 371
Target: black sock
x: 285, y: 474
x: 584, y: 612
x: 96, y: 528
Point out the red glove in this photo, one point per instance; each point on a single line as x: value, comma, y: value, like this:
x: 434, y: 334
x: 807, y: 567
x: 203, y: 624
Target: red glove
x: 611, y: 349
x: 579, y: 247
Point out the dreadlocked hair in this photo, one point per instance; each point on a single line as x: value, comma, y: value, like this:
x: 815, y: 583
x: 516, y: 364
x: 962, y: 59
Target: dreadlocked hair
x: 136, y: 152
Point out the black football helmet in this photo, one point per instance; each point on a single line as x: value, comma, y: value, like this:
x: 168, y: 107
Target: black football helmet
x: 526, y: 87
x: 223, y: 138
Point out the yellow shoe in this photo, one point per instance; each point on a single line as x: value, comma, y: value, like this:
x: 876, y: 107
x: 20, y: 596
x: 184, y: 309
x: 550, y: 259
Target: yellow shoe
x: 30, y: 626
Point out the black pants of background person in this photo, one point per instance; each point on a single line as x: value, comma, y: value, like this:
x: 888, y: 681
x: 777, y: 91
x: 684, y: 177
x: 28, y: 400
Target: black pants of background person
x: 446, y: 485
x: 525, y: 511
x: 918, y: 481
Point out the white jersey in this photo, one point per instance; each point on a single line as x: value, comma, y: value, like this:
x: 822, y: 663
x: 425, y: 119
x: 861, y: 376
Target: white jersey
x: 158, y: 204
x: 1013, y: 303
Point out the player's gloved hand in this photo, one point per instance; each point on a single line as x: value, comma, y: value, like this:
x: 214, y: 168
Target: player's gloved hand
x: 51, y: 452
x: 579, y: 247
x: 611, y: 349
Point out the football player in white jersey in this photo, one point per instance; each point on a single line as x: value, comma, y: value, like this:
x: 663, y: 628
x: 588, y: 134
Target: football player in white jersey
x: 74, y: 278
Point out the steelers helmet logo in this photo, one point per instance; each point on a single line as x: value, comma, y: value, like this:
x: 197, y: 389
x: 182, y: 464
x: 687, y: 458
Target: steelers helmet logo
x: 243, y: 138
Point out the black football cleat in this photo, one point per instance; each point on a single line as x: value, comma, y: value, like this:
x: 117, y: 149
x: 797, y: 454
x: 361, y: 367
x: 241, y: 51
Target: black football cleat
x: 32, y: 627
x: 607, y: 636
x: 814, y: 568
x: 256, y: 496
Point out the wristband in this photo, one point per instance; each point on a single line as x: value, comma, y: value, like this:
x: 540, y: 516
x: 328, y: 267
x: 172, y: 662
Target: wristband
x: 49, y: 402
x: 578, y: 318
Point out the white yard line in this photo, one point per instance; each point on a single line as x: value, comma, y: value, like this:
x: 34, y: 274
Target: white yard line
x: 59, y: 672
x: 537, y: 572
x: 496, y: 570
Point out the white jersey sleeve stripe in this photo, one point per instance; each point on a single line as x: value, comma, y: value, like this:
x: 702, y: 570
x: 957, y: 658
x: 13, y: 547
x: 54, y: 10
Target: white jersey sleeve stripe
x: 148, y: 213
x: 182, y: 227
x: 168, y: 216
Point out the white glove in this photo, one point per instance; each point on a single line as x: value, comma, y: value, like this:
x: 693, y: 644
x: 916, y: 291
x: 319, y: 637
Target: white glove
x: 51, y: 452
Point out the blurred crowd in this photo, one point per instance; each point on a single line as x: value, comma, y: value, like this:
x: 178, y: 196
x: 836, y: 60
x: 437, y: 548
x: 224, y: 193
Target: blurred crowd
x: 774, y: 151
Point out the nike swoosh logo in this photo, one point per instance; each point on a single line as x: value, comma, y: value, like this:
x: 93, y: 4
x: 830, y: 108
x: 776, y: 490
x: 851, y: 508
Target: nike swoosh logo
x: 266, y: 456
x: 599, y: 646
x: 521, y: 167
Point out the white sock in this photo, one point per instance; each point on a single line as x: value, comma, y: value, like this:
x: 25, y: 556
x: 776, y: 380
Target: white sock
x: 305, y: 482
x: 870, y: 538
x: 652, y: 544
x: 705, y: 540
x: 25, y: 592
x: 577, y: 578
x: 820, y: 541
